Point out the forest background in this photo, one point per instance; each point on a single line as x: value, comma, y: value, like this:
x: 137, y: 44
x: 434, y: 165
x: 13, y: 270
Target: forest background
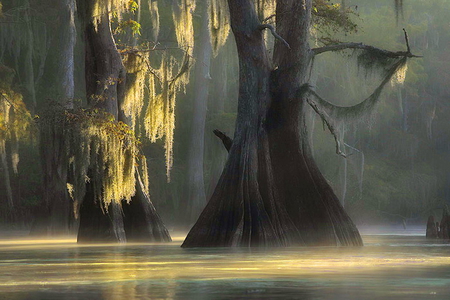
x: 397, y: 172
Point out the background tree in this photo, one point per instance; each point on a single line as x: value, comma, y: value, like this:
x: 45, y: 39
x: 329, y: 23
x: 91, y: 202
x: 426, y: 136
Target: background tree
x: 195, y: 179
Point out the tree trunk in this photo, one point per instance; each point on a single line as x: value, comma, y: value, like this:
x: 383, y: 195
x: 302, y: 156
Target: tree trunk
x: 28, y: 64
x: 105, y: 88
x: 97, y: 225
x: 271, y: 192
x: 142, y: 222
x: 196, y: 184
x: 7, y: 180
x: 60, y: 72
x: 54, y: 170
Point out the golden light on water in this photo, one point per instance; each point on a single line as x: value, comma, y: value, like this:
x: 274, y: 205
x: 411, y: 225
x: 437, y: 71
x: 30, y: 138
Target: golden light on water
x: 29, y: 265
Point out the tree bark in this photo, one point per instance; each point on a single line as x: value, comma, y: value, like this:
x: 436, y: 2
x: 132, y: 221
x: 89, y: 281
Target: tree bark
x: 271, y: 192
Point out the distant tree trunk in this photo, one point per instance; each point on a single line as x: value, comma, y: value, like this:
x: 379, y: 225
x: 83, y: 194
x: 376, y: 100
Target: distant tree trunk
x: 445, y: 224
x: 28, y: 63
x: 105, y: 89
x: 271, y: 192
x: 432, y: 230
x: 196, y: 184
x: 6, y: 177
x: 218, y: 96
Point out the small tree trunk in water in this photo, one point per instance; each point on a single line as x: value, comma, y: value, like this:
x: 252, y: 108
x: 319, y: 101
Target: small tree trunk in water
x: 445, y: 225
x: 196, y: 184
x: 432, y: 231
x: 271, y: 192
x: 7, y: 180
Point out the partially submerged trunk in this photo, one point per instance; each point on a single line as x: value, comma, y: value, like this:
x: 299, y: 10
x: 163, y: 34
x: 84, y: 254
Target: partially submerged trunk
x: 271, y: 192
x: 59, y: 71
x: 141, y: 221
x: 432, y: 230
x: 105, y: 89
x: 6, y: 177
x: 54, y: 171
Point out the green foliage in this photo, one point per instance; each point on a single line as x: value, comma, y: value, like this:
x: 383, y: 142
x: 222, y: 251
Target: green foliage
x: 330, y: 18
x: 132, y: 6
x: 134, y: 26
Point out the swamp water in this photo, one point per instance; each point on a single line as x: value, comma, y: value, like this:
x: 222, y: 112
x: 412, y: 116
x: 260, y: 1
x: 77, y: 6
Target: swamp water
x: 401, y: 266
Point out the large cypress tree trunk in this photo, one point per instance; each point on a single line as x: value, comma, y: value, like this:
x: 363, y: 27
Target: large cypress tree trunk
x: 105, y: 89
x: 310, y: 201
x: 271, y: 192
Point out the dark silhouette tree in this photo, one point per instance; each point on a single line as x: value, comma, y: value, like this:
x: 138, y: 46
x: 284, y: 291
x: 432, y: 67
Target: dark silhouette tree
x: 271, y: 192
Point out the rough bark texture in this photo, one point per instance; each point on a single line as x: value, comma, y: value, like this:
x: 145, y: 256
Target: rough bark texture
x: 271, y: 192
x: 105, y: 88
x: 196, y: 185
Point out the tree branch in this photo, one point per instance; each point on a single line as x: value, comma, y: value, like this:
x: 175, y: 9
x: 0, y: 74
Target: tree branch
x: 361, y: 46
x: 274, y: 33
x: 226, y: 140
x: 407, y: 41
x: 332, y: 114
x: 328, y: 121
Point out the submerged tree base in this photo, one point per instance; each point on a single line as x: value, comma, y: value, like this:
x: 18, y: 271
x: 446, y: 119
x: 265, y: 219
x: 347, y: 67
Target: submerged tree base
x: 136, y: 221
x: 286, y: 203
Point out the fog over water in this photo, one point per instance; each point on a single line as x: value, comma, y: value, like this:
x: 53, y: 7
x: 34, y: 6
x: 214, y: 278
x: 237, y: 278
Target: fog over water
x: 400, y: 264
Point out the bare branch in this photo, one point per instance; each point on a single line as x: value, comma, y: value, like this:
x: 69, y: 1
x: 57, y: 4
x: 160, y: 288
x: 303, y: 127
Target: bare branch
x: 407, y: 41
x: 183, y: 69
x: 361, y: 46
x: 332, y: 114
x: 136, y: 50
x: 226, y: 140
x: 268, y: 18
x: 328, y: 121
x: 274, y: 33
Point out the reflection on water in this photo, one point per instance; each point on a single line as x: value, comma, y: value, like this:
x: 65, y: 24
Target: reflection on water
x: 388, y: 267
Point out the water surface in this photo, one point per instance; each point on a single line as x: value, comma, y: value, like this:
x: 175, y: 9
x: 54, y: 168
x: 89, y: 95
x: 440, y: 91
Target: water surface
x: 388, y: 267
